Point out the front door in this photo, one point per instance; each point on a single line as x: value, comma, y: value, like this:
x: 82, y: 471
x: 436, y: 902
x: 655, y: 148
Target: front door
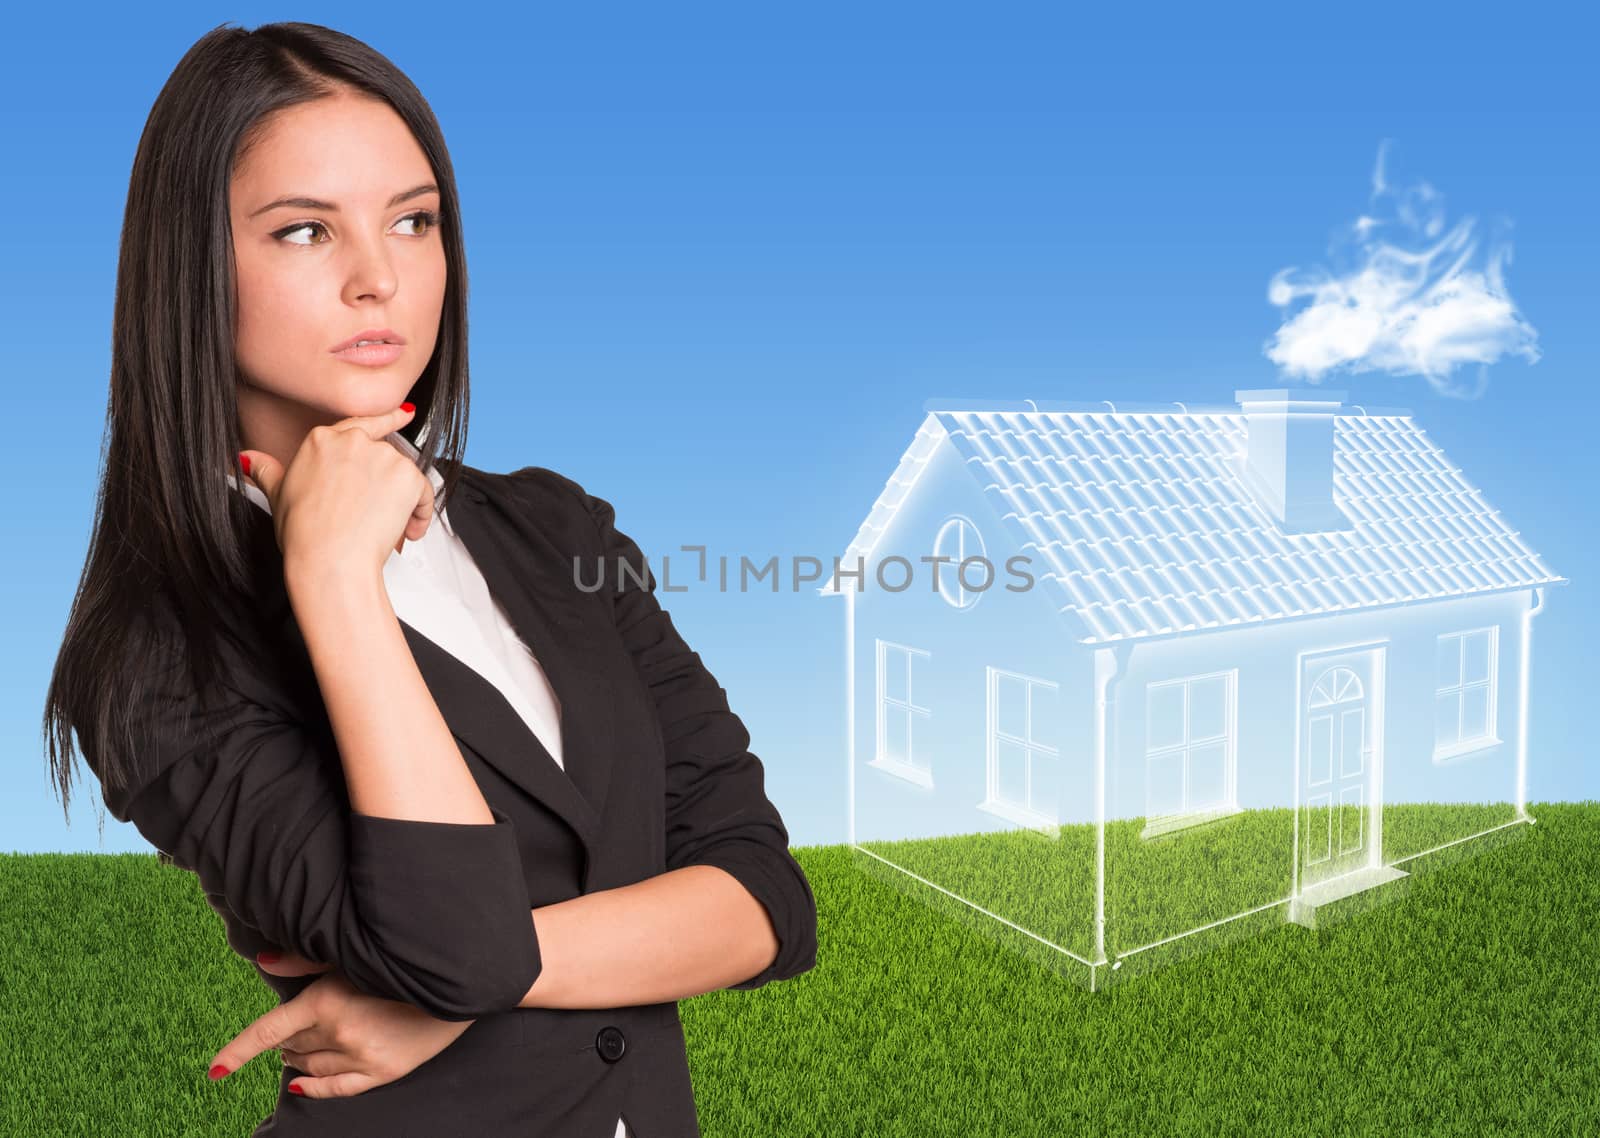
x: 1340, y: 811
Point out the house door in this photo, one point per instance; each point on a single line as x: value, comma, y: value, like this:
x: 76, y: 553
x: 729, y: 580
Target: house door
x: 1340, y: 812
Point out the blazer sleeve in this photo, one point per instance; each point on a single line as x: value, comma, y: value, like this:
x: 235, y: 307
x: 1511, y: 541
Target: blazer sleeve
x: 717, y: 809
x: 434, y: 914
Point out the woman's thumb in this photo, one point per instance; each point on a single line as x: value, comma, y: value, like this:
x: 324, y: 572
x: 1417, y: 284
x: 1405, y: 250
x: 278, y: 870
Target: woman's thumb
x: 263, y: 470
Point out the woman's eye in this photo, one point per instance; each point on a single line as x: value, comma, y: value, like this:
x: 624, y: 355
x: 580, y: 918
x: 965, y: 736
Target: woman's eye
x: 283, y: 234
x: 428, y: 218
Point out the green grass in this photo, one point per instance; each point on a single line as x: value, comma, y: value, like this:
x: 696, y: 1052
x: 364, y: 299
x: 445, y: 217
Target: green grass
x: 1156, y: 888
x: 1469, y: 1008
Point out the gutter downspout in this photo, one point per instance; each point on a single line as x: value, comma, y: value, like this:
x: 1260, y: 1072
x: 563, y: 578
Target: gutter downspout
x: 1107, y: 663
x: 1525, y: 666
x: 850, y: 716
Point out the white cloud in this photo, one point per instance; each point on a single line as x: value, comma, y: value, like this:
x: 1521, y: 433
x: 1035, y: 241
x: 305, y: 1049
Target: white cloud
x: 1408, y: 307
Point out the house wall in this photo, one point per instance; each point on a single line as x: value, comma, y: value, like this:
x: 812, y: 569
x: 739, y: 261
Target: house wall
x: 1018, y: 631
x: 1475, y: 788
x: 1035, y: 872
x: 1270, y: 682
x: 1161, y: 883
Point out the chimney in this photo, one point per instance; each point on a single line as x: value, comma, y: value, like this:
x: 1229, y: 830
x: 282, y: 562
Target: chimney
x: 1288, y: 460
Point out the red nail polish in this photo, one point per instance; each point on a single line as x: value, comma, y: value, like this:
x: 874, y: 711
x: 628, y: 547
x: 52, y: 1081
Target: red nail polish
x: 218, y: 1071
x: 268, y: 957
x: 408, y: 406
x: 244, y: 460
x: 294, y: 1089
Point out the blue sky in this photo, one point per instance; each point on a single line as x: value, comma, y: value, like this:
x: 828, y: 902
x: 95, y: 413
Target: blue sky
x: 721, y: 256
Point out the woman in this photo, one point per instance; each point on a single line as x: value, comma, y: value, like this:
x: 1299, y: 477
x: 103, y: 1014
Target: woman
x: 479, y: 792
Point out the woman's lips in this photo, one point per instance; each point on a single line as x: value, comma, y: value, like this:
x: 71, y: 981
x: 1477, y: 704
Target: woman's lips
x: 371, y: 355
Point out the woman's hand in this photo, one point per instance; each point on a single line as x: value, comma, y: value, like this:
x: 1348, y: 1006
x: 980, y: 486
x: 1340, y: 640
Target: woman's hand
x: 349, y: 1041
x: 348, y: 496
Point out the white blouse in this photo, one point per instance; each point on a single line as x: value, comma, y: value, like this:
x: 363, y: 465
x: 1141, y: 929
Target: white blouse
x: 435, y: 587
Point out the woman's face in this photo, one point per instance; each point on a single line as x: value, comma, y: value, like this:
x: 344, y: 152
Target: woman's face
x: 348, y: 257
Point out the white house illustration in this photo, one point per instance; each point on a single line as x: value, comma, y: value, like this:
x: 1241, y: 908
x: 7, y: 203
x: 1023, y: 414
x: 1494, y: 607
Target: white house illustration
x: 1118, y: 675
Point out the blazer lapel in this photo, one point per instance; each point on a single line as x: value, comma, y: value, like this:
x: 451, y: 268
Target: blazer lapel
x: 533, y: 582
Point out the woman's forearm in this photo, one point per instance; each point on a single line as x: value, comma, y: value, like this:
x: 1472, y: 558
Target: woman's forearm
x: 669, y: 937
x: 400, y: 759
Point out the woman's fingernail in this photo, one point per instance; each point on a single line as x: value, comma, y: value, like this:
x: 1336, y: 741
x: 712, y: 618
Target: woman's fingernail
x: 408, y: 407
x: 217, y: 1071
x: 244, y: 460
x: 268, y: 957
x: 294, y: 1089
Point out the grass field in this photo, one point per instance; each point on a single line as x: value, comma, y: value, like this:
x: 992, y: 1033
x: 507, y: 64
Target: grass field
x: 1155, y: 888
x: 1472, y: 1008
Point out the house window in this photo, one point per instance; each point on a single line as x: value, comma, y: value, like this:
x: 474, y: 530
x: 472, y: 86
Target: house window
x: 1464, y: 696
x: 1189, y: 751
x: 902, y: 734
x: 1023, y: 757
x: 957, y: 540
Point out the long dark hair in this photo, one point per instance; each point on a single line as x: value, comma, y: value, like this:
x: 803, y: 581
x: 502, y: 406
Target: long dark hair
x: 168, y: 528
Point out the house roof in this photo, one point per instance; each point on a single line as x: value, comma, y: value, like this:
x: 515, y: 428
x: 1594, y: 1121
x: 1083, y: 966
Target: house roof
x: 1140, y: 524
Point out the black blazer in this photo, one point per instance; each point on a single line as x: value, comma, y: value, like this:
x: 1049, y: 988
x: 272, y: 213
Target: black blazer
x: 251, y: 797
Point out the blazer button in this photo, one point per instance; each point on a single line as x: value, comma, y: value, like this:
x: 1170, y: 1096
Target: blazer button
x: 611, y: 1044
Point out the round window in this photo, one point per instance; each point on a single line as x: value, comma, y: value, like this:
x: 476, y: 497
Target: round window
x: 957, y: 541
